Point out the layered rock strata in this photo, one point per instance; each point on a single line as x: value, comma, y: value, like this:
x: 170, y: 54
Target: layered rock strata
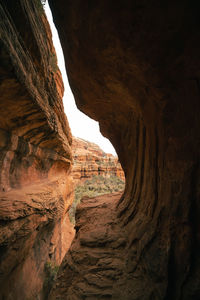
x: 134, y: 67
x: 89, y: 160
x: 35, y: 156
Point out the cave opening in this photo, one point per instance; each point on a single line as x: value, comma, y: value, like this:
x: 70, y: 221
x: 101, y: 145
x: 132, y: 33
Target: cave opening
x: 96, y: 168
x: 81, y: 125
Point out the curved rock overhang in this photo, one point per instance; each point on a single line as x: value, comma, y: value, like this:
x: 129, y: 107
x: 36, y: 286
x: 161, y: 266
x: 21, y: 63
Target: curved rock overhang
x: 134, y: 67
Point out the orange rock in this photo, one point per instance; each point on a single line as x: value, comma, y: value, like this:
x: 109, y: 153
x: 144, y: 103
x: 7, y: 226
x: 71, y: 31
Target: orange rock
x: 36, y: 190
x: 89, y: 160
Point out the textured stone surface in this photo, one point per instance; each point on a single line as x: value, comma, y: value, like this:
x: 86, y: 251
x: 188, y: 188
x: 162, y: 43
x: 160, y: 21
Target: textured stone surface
x: 35, y: 156
x: 134, y: 67
x: 89, y: 160
x: 95, y: 261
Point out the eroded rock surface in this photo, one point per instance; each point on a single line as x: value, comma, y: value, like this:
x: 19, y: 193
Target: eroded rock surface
x: 90, y: 160
x: 95, y: 262
x: 35, y: 155
x: 134, y: 67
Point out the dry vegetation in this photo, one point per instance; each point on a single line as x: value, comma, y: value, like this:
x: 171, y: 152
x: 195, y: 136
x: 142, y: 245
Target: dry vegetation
x: 96, y: 186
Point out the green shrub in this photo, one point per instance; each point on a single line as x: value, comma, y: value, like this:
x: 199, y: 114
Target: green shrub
x: 96, y: 186
x: 50, y: 270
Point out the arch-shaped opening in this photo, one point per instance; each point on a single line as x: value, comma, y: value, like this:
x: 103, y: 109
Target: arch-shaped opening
x: 96, y: 168
x: 82, y: 126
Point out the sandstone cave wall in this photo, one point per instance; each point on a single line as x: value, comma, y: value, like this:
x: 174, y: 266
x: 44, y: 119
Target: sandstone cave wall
x: 134, y: 67
x: 35, y: 154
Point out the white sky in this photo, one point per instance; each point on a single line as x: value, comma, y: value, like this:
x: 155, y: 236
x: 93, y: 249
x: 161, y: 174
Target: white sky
x: 81, y: 125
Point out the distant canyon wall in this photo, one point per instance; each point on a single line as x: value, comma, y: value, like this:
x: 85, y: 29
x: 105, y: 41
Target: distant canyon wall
x: 90, y: 160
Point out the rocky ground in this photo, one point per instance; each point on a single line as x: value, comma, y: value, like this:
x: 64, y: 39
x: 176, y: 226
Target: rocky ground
x: 95, y: 260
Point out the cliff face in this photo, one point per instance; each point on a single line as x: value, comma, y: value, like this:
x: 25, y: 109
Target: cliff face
x: 35, y: 155
x: 89, y: 160
x: 134, y: 67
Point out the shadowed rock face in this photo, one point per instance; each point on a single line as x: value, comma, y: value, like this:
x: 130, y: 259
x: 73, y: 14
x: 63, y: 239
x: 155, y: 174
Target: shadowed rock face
x: 134, y: 67
x: 35, y: 155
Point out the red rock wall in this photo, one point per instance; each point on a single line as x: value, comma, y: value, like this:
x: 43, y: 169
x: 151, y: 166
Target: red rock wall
x: 35, y: 156
x: 134, y: 67
x: 89, y: 160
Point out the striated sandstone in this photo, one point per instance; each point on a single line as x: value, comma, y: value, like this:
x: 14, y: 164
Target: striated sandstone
x: 89, y: 160
x: 35, y: 156
x: 134, y: 67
